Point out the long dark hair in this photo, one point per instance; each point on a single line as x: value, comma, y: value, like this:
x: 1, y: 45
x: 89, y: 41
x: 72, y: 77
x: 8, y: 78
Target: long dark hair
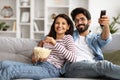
x: 52, y: 32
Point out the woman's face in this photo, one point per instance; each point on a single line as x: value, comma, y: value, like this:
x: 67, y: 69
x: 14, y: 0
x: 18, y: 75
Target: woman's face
x: 61, y: 26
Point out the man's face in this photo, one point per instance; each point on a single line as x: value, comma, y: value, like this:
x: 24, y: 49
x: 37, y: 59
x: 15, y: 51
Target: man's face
x: 81, y: 23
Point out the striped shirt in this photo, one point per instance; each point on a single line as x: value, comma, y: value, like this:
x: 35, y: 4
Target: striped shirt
x: 64, y: 50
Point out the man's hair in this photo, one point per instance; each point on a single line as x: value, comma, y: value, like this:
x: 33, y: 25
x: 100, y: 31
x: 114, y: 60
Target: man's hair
x: 79, y: 10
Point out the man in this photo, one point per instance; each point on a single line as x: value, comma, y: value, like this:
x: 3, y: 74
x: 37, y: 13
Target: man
x: 90, y: 62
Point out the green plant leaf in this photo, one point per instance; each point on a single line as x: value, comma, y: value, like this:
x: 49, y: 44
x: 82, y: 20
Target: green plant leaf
x: 112, y: 26
x: 3, y: 26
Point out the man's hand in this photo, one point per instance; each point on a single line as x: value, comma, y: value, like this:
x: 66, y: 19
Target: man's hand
x: 106, y: 31
x: 104, y: 21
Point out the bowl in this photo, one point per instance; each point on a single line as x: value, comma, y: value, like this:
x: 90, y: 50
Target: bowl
x: 41, y: 52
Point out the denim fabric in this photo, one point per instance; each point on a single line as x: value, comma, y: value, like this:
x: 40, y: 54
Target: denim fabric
x: 89, y: 69
x: 97, y: 68
x: 14, y: 70
x: 95, y: 43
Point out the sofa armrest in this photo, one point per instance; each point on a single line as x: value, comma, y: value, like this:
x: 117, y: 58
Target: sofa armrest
x: 114, y: 45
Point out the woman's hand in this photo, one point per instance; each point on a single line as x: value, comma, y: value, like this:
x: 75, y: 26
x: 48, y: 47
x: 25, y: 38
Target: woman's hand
x: 50, y: 40
x: 42, y: 59
x: 34, y: 60
x: 40, y: 44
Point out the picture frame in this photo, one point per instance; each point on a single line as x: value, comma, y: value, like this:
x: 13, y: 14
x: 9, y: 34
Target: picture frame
x: 25, y: 17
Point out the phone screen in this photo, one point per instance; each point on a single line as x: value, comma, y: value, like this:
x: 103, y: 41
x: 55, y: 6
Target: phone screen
x: 103, y: 12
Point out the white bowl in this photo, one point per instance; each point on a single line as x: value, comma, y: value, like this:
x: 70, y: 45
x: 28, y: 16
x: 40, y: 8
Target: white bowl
x: 41, y: 52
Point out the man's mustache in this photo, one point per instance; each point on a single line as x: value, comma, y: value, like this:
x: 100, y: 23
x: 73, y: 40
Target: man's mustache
x: 81, y: 25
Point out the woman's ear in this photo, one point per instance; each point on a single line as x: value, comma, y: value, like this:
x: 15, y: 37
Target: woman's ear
x: 68, y: 27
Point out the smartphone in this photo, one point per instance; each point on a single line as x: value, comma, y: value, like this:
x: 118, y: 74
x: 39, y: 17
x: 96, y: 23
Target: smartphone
x: 103, y: 12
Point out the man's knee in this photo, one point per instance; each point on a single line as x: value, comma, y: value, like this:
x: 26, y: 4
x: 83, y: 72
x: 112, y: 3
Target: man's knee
x: 104, y: 64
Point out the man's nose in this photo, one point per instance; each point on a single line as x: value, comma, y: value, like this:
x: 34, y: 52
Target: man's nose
x: 79, y: 21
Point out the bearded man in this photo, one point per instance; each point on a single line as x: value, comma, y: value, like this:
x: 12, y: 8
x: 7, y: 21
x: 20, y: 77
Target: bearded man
x: 90, y: 61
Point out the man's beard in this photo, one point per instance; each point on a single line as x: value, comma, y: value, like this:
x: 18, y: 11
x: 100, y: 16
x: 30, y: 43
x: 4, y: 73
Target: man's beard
x: 81, y: 30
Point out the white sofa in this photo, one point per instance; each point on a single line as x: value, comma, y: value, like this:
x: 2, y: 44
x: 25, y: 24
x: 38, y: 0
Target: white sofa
x: 21, y: 49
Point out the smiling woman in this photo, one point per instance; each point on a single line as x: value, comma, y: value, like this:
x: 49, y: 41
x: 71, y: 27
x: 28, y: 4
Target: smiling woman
x: 61, y: 48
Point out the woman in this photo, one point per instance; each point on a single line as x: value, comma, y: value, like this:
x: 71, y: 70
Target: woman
x: 61, y: 44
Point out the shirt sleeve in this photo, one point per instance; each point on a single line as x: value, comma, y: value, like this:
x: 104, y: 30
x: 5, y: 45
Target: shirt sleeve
x: 68, y: 51
x: 104, y: 42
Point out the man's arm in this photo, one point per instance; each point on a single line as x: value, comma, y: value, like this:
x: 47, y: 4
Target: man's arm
x: 105, y: 28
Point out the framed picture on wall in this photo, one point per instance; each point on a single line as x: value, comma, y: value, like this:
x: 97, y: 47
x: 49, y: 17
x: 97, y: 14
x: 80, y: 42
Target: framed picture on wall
x: 25, y: 17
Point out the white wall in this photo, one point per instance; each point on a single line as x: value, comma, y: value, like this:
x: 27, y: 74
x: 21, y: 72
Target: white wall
x: 95, y: 6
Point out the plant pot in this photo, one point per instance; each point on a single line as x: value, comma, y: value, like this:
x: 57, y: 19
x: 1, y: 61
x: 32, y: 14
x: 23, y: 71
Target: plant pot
x: 4, y: 29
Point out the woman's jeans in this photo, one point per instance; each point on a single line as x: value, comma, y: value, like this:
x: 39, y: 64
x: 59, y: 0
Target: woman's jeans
x: 93, y: 69
x: 10, y: 70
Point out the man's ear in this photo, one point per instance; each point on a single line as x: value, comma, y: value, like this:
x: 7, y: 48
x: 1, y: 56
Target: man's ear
x: 89, y: 22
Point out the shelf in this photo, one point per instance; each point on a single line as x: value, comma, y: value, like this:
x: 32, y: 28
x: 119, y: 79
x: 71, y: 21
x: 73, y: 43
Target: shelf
x: 58, y: 6
x: 34, y: 19
x: 38, y: 18
x: 7, y: 19
x: 24, y: 6
x: 25, y: 23
x: 57, y: 2
x: 11, y: 32
x: 39, y: 32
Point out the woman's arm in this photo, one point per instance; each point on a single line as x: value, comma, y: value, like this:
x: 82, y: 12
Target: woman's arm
x: 69, y: 52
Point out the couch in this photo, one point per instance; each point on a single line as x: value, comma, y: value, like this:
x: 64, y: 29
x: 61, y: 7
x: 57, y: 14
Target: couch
x: 21, y: 49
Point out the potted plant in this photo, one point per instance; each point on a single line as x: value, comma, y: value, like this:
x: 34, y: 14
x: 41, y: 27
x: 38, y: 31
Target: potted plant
x: 113, y: 25
x: 3, y: 26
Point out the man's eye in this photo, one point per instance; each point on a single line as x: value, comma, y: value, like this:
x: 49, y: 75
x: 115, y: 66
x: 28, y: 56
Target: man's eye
x: 76, y: 20
x: 82, y: 19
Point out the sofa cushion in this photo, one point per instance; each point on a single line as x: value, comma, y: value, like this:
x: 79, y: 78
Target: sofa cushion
x: 14, y: 57
x: 23, y: 79
x: 70, y: 79
x: 114, y: 57
x: 16, y: 49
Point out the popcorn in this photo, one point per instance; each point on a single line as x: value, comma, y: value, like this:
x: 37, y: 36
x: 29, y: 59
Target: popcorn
x: 41, y: 52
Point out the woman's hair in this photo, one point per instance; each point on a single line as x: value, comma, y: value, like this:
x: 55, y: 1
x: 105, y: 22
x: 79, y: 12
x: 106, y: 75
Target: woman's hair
x: 80, y: 10
x: 52, y: 32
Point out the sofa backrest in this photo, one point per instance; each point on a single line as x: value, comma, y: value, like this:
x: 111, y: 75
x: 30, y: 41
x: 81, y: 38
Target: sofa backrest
x: 16, y: 49
x: 21, y: 49
x: 114, y: 45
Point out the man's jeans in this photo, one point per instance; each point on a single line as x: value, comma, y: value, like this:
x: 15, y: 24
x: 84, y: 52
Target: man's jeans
x: 93, y: 69
x: 11, y: 70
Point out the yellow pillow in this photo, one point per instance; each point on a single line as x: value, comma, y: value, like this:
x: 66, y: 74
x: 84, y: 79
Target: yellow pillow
x: 41, y: 52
